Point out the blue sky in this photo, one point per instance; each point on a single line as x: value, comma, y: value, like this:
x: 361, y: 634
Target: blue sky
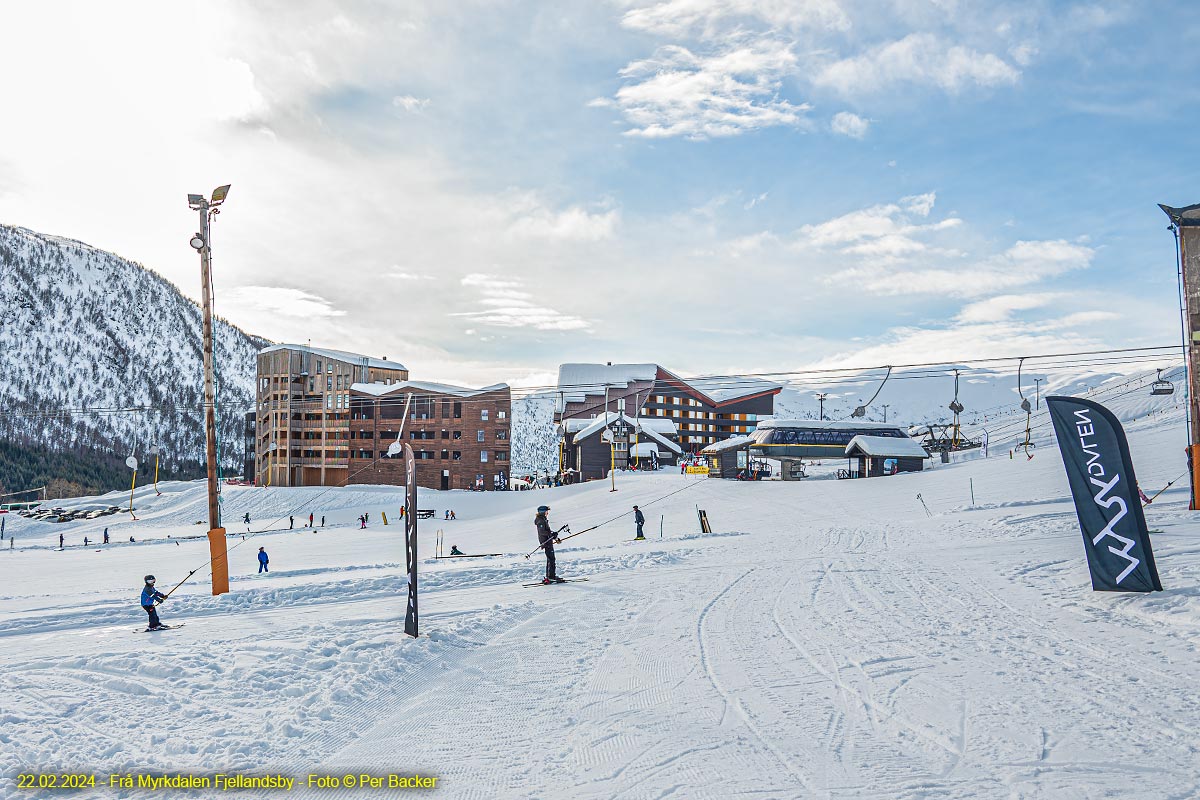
x: 486, y: 189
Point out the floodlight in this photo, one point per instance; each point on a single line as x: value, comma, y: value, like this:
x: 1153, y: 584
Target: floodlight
x: 197, y: 241
x: 219, y: 194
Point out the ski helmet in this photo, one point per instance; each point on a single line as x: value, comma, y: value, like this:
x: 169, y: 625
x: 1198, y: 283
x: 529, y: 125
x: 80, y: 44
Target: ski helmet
x: 543, y: 509
x: 148, y: 578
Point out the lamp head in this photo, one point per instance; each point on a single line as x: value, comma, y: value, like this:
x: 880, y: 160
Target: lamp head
x: 197, y: 241
x: 219, y: 194
x: 196, y: 201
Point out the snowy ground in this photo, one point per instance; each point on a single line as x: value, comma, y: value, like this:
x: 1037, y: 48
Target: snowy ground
x: 830, y: 639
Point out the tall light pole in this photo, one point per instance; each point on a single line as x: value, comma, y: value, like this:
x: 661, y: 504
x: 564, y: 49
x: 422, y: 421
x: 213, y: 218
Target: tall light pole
x: 202, y: 242
x: 821, y: 399
x: 884, y: 406
x: 1185, y: 225
x: 1037, y: 394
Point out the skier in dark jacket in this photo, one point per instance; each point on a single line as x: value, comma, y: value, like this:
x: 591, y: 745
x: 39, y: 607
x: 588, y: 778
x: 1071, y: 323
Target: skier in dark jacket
x: 150, y: 599
x: 640, y: 519
x: 262, y: 560
x: 547, y: 538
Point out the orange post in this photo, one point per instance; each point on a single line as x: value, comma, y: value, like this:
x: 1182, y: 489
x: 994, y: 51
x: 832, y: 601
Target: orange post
x: 1195, y: 453
x: 218, y: 552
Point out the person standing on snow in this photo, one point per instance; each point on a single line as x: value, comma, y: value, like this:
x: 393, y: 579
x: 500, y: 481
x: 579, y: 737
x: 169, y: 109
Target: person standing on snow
x: 547, y: 538
x: 310, y: 519
x: 262, y: 560
x: 151, y: 597
x: 246, y: 520
x: 291, y: 523
x: 640, y: 519
x: 60, y: 541
x: 106, y: 535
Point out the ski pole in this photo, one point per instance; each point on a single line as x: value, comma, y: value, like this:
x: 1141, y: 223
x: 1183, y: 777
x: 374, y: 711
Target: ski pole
x: 176, y: 586
x: 556, y: 533
x: 1168, y: 486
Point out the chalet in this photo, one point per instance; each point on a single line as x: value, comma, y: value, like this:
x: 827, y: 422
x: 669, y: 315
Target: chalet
x: 593, y: 445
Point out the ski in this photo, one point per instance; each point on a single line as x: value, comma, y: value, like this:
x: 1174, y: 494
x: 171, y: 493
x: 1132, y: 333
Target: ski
x: 567, y: 580
x: 472, y: 555
x: 162, y: 628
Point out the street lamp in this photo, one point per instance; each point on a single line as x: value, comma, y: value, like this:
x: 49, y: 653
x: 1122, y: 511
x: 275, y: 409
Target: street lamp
x: 132, y: 463
x: 202, y: 243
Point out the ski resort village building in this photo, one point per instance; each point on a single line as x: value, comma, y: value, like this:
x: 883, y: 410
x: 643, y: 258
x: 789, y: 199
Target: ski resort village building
x: 873, y: 448
x: 327, y: 417
x: 460, y: 437
x: 703, y: 410
x: 591, y: 446
x: 302, y: 433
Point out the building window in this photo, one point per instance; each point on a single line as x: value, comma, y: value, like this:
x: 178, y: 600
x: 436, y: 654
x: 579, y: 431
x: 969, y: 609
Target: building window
x: 480, y: 436
x: 445, y: 409
x: 329, y: 402
x: 457, y: 456
x: 445, y: 455
x: 501, y: 415
x: 502, y: 455
x: 483, y: 456
x: 502, y: 434
x: 458, y: 410
x: 445, y: 433
x: 328, y: 384
x: 483, y: 414
x: 458, y: 434
x: 339, y: 381
x: 318, y: 365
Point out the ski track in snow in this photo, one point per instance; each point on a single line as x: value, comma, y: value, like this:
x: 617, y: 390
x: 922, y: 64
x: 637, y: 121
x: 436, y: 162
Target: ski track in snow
x: 830, y: 641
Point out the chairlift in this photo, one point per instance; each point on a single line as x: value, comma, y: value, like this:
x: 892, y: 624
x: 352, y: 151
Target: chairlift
x: 1161, y: 386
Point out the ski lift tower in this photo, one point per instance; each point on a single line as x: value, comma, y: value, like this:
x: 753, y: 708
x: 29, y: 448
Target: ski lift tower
x: 1185, y: 224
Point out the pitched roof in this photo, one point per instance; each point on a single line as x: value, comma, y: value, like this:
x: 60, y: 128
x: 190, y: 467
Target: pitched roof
x: 576, y: 381
x: 663, y: 425
x: 403, y: 387
x: 732, y: 443
x: 885, y: 447
x: 828, y: 425
x: 601, y: 422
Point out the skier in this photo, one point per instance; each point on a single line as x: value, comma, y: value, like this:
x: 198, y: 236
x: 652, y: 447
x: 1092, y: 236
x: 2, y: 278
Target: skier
x: 150, y: 598
x: 547, y: 539
x: 246, y: 520
x: 310, y: 519
x: 85, y: 541
x: 106, y: 535
x: 322, y: 520
x: 291, y: 523
x: 362, y: 522
x: 454, y: 551
x: 60, y: 541
x: 262, y: 560
x: 640, y: 519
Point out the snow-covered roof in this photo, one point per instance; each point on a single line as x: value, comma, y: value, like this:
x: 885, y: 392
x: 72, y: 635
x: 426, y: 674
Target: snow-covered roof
x: 338, y: 355
x: 731, y: 443
x: 827, y: 425
x: 662, y: 425
x: 379, y: 389
x: 576, y: 381
x: 885, y: 447
x: 604, y: 420
x: 722, y: 390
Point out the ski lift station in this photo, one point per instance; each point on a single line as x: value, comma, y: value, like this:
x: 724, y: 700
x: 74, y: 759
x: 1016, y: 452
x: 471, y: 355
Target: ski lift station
x: 871, y: 448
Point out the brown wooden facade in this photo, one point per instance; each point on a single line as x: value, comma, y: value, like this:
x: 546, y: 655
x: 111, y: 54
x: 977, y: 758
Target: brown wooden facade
x: 461, y: 437
x: 303, y: 412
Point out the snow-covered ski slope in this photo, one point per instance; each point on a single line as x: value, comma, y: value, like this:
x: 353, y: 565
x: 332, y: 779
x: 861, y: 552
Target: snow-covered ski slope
x: 830, y: 639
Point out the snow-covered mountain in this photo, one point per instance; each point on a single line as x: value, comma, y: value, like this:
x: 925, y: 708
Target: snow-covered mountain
x: 83, y: 332
x: 534, y: 435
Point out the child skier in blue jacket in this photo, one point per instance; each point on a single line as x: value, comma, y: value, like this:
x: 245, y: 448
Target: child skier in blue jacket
x: 150, y: 596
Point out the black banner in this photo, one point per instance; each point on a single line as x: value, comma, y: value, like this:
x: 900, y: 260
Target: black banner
x: 1100, y: 472
x: 410, y: 537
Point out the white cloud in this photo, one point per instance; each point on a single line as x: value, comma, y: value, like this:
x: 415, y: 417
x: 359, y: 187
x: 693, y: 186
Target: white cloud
x: 681, y: 93
x: 401, y: 275
x: 919, y: 58
x: 409, y: 103
x: 282, y: 301
x: 506, y: 304
x: 1001, y: 307
x: 882, y: 230
x: 712, y: 17
x: 848, y: 124
x: 571, y: 224
x: 1022, y: 264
